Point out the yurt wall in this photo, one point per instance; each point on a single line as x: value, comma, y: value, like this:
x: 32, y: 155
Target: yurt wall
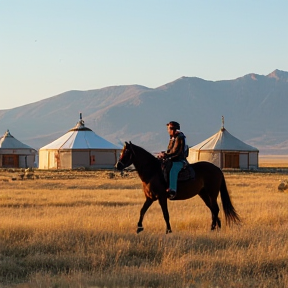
x: 80, y: 159
x: 47, y: 159
x: 65, y: 159
x: 253, y: 160
x: 103, y: 158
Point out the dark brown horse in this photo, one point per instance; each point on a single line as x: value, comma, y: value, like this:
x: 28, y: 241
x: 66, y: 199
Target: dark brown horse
x: 208, y: 181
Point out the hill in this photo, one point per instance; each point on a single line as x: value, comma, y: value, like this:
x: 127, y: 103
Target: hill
x: 254, y: 107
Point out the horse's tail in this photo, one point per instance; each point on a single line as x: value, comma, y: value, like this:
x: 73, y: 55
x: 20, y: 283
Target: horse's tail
x: 230, y: 213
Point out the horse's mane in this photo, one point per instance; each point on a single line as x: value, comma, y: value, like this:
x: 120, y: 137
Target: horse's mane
x: 146, y: 164
x: 148, y: 156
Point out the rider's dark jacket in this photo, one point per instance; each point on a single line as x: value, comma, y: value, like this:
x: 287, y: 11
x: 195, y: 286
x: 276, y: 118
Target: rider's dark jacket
x: 175, y: 149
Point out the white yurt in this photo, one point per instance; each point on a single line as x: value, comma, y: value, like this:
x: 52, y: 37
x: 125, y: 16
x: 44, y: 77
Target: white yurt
x: 15, y: 154
x: 225, y: 151
x: 79, y: 147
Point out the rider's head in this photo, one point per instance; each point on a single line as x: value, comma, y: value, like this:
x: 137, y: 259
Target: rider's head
x: 172, y: 127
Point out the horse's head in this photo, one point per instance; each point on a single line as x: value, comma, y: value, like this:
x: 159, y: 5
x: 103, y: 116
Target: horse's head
x: 126, y: 157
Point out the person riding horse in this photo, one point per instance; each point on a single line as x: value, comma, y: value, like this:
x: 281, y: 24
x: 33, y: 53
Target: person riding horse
x: 208, y: 182
x: 175, y: 153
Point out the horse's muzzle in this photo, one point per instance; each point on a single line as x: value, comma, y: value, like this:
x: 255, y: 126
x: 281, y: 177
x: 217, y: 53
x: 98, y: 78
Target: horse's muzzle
x: 119, y: 165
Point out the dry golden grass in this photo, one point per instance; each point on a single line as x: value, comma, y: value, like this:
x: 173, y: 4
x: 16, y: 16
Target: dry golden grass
x: 273, y: 161
x: 78, y: 229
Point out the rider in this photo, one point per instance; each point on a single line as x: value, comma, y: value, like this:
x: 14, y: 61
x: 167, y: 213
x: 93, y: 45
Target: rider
x: 175, y: 153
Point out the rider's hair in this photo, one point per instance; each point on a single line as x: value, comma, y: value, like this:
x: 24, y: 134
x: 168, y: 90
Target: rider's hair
x: 174, y: 125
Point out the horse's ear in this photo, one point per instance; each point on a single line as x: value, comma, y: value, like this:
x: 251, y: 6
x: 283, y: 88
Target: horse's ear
x: 130, y: 142
x: 126, y: 143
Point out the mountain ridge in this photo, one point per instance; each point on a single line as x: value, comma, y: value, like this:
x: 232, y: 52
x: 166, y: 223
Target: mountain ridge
x: 254, y: 107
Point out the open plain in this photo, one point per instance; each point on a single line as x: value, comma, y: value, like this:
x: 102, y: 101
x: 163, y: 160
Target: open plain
x: 78, y: 229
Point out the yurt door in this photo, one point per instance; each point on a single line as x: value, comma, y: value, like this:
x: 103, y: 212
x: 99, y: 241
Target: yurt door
x: 9, y: 161
x: 231, y: 160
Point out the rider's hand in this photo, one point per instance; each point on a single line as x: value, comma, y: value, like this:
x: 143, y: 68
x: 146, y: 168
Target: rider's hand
x: 161, y: 155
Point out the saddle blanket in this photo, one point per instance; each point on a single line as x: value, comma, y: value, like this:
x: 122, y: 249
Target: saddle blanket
x: 186, y: 173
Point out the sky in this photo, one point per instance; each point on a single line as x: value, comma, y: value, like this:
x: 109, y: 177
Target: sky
x: 48, y: 47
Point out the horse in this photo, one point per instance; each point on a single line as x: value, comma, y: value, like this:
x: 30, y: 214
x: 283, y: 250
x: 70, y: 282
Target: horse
x: 207, y: 183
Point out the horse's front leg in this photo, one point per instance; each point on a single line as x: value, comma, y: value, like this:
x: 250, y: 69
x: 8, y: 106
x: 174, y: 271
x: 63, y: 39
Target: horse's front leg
x: 143, y: 210
x: 164, y: 207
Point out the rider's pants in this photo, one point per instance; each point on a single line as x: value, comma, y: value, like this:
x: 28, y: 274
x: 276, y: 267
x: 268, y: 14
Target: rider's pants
x: 173, y: 175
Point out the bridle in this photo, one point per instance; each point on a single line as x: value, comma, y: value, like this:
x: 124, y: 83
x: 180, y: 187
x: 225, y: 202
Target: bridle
x: 125, y: 153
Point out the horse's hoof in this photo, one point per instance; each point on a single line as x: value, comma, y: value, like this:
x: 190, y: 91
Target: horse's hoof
x: 139, y: 229
x: 168, y: 231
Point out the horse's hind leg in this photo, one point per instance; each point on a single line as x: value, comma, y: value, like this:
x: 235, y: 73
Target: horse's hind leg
x: 143, y: 210
x: 211, y: 203
x: 215, y: 219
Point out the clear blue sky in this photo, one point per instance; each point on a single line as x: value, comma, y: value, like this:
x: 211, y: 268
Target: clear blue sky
x: 51, y: 46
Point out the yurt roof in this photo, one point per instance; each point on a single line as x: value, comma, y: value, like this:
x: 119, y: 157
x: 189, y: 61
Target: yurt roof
x: 80, y: 137
x: 223, y: 140
x: 7, y: 141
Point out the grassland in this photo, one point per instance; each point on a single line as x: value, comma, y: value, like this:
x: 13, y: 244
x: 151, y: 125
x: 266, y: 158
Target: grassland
x: 78, y: 229
x: 273, y: 161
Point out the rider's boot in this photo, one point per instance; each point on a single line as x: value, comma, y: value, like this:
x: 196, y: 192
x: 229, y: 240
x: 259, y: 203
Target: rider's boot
x: 171, y: 193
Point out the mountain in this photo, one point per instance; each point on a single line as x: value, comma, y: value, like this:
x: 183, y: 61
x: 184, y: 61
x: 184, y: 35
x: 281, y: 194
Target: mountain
x: 254, y: 107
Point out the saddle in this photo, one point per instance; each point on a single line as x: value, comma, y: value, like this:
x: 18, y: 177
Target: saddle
x: 186, y: 173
